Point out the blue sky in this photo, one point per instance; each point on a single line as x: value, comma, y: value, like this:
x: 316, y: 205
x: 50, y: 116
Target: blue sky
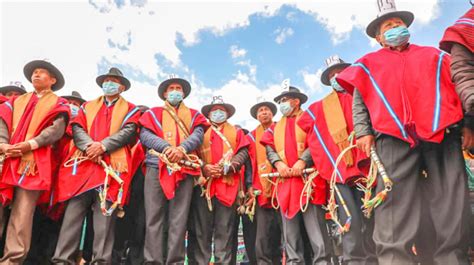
x: 240, y: 50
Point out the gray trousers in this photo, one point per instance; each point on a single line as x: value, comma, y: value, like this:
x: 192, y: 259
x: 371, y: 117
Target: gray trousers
x: 355, y: 248
x: 444, y: 193
x: 222, y: 223
x: 268, y: 239
x: 314, y: 222
x: 162, y: 214
x: 70, y: 234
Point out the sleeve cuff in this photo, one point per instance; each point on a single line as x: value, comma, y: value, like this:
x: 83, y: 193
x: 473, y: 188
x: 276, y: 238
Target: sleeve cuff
x: 33, y: 144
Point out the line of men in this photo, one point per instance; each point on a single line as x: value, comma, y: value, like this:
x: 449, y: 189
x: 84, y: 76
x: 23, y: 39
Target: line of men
x: 71, y: 158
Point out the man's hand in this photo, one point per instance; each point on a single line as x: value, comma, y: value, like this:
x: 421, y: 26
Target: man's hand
x: 283, y: 169
x: 174, y: 154
x: 22, y: 148
x: 212, y: 171
x: 250, y: 196
x: 467, y: 138
x: 365, y: 142
x: 9, y: 151
x: 94, y: 150
x: 297, y: 169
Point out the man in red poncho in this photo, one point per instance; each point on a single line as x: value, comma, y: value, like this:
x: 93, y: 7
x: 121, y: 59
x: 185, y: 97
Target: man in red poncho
x: 175, y: 131
x: 30, y: 127
x: 103, y: 133
x: 224, y: 152
x: 405, y: 104
x: 328, y: 124
x: 268, y: 235
x: 287, y: 151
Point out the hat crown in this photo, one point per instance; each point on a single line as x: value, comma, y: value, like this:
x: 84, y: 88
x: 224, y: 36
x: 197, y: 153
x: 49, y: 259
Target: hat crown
x: 386, y: 6
x: 333, y: 60
x: 115, y: 71
x: 76, y: 94
x: 17, y: 84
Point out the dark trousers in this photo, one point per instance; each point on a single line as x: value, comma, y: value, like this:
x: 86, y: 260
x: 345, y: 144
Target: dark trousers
x: 268, y: 237
x: 250, y: 233
x: 71, y: 230
x: 43, y: 240
x: 356, y: 245
x: 314, y: 223
x: 130, y: 230
x: 220, y: 224
x: 161, y: 214
x: 397, y: 219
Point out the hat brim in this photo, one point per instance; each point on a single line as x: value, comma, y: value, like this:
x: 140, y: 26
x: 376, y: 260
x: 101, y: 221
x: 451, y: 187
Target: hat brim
x: 7, y: 89
x: 123, y: 80
x: 165, y: 84
x: 302, y: 97
x: 270, y: 105
x: 207, y: 108
x: 325, y: 75
x: 75, y: 98
x: 406, y: 16
x: 31, y: 66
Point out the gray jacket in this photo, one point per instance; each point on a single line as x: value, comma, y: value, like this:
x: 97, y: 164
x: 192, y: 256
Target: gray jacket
x: 462, y: 73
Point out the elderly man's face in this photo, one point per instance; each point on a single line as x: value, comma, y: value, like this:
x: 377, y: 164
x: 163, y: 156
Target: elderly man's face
x: 173, y: 87
x: 334, y: 72
x: 115, y: 80
x: 74, y: 102
x: 264, y: 115
x: 218, y: 107
x: 42, y: 79
x: 11, y: 94
x: 388, y: 24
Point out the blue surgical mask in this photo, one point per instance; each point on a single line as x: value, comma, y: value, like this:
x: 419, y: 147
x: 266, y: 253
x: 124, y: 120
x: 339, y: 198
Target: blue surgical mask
x: 335, y: 85
x: 218, y: 116
x: 110, y: 88
x: 397, y: 36
x: 286, y: 108
x: 174, y: 97
x: 74, y: 110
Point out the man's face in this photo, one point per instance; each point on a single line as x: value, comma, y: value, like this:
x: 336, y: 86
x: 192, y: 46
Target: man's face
x: 218, y: 107
x: 333, y: 72
x: 74, y: 102
x: 42, y: 79
x: 388, y: 24
x: 294, y: 102
x: 11, y: 94
x: 264, y: 115
x: 115, y: 80
x: 173, y: 87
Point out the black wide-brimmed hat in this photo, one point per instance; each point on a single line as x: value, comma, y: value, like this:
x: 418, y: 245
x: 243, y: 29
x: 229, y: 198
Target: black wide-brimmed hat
x: 270, y: 105
x: 114, y: 72
x: 36, y: 64
x: 292, y: 92
x: 218, y: 101
x: 75, y: 96
x: 333, y: 62
x: 164, y: 85
x: 13, y: 86
x: 387, y: 9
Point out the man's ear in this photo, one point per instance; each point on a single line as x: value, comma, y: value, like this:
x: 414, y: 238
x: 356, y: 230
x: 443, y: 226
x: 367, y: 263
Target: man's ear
x: 54, y: 80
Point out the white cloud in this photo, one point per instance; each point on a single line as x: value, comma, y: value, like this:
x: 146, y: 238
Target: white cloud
x: 237, y: 52
x: 340, y: 17
x: 313, y: 80
x: 283, y: 34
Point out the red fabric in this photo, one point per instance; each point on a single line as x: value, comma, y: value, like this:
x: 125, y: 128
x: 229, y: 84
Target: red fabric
x: 289, y: 191
x: 461, y: 32
x: 408, y: 80
x: 169, y: 182
x: 46, y: 158
x: 3, y: 99
x: 256, y: 184
x: 321, y: 160
x: 225, y: 193
x: 90, y: 175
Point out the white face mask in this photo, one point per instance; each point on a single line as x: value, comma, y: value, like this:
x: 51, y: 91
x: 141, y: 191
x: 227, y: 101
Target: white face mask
x: 218, y: 116
x: 74, y: 110
x: 286, y: 108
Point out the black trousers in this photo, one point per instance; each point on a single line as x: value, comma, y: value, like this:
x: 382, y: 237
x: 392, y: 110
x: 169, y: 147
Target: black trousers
x: 442, y: 196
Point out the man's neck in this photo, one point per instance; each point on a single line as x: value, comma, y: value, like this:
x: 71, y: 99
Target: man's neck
x: 111, y: 98
x: 294, y: 112
x: 266, y: 125
x: 399, y: 48
x: 42, y: 91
